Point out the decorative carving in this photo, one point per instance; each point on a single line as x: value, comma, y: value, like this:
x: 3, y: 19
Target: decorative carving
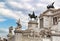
x: 50, y: 6
x: 32, y: 15
x: 42, y: 33
x: 46, y: 32
x: 5, y: 39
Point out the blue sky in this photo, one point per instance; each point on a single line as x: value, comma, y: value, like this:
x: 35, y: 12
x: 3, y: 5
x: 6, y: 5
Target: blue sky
x: 12, y: 10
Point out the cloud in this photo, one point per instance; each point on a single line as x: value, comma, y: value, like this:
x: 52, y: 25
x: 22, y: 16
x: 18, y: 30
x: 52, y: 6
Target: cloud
x: 3, y: 32
x: 15, y: 15
x: 1, y: 19
x: 57, y: 4
x: 2, y: 4
x: 8, y: 13
x: 26, y: 0
x: 26, y: 6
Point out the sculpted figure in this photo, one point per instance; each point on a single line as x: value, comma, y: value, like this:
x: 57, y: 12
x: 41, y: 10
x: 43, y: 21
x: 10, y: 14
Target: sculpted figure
x: 32, y: 15
x: 50, y: 6
x: 10, y: 29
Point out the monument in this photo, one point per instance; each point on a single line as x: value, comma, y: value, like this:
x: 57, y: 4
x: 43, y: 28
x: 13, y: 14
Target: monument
x: 48, y: 30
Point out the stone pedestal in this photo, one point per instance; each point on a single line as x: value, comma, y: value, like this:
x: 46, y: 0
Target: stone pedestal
x: 55, y: 38
x: 46, y: 39
x: 32, y: 24
x: 58, y: 24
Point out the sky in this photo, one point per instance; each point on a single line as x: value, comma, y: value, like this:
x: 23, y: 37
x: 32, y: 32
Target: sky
x: 12, y: 10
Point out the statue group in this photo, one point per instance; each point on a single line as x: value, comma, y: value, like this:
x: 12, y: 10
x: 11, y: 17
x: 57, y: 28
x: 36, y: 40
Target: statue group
x: 50, y: 6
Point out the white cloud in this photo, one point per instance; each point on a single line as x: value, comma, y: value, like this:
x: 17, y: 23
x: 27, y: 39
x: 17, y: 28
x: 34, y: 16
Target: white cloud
x: 2, y: 4
x: 4, y: 29
x: 8, y: 13
x: 20, y: 0
x: 26, y: 0
x: 1, y: 19
x: 28, y: 6
x: 22, y: 16
x: 3, y: 32
x: 47, y: 1
x: 40, y: 5
x: 57, y: 4
x: 22, y: 5
x: 15, y: 4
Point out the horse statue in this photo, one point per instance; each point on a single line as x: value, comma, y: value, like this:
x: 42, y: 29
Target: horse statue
x: 50, y: 6
x: 32, y: 15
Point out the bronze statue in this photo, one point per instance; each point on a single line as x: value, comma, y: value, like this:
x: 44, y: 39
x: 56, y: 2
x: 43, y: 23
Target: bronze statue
x: 32, y: 15
x: 18, y: 24
x: 50, y: 6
